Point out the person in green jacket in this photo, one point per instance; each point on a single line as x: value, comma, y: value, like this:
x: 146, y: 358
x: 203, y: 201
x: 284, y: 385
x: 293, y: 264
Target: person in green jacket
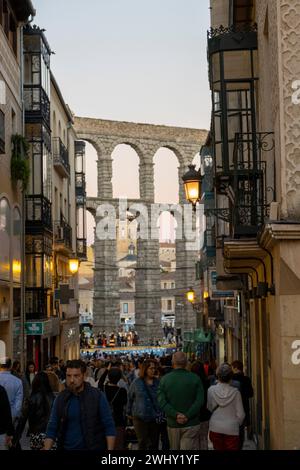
x: 181, y: 396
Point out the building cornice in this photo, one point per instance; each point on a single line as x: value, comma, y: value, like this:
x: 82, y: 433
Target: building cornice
x: 275, y: 232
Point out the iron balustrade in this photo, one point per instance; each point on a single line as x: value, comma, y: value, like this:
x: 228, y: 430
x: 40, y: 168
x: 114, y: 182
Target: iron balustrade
x: 36, y: 303
x: 37, y: 104
x: 60, y: 157
x: 38, y: 213
x: 253, y: 181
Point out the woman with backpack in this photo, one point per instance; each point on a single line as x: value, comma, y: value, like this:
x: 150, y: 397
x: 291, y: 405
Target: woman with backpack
x: 117, y: 399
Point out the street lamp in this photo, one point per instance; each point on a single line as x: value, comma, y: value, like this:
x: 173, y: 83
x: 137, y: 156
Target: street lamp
x: 192, y: 180
x: 190, y: 295
x: 73, y: 265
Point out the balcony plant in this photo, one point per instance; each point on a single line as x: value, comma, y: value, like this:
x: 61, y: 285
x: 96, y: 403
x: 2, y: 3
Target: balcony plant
x: 19, y: 165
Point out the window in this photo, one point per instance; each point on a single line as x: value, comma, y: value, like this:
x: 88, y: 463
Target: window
x: 125, y: 308
x: 2, y: 132
x: 165, y: 285
x: 5, y: 239
x: 16, y: 245
x: 169, y: 304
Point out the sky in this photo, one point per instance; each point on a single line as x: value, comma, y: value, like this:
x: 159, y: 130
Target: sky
x: 131, y: 60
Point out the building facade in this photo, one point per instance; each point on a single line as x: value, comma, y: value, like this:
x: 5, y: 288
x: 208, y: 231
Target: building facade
x: 253, y: 73
x: 52, y: 209
x: 13, y: 16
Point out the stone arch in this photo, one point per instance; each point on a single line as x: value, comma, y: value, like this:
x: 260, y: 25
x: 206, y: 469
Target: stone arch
x: 132, y: 143
x: 146, y: 140
x: 95, y: 142
x: 124, y: 156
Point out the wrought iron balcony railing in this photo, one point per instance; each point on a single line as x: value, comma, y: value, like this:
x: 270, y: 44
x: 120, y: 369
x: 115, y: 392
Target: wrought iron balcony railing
x: 236, y: 37
x: 38, y: 213
x: 253, y: 181
x: 37, y: 104
x: 63, y: 233
x: 60, y: 158
x: 36, y: 303
x: 249, y: 184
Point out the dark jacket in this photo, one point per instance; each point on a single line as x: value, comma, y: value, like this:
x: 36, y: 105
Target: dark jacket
x: 92, y: 428
x: 246, y: 390
x: 6, y: 426
x: 37, y: 410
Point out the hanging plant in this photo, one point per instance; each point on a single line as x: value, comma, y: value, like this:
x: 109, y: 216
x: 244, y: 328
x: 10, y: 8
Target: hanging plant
x: 19, y: 165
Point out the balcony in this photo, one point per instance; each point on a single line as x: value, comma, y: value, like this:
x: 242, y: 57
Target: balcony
x: 36, y: 303
x: 38, y: 214
x: 37, y: 105
x: 80, y: 188
x: 60, y: 158
x: 81, y: 249
x: 253, y: 182
x: 236, y: 37
x: 62, y: 236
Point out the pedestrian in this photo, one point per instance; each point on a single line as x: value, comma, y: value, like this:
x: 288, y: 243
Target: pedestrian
x: 16, y: 371
x: 30, y: 373
x: 225, y: 404
x: 181, y: 397
x: 54, y: 362
x: 37, y: 410
x: 246, y: 389
x: 198, y: 368
x: 6, y: 425
x: 117, y: 398
x: 81, y: 418
x: 143, y: 407
x: 14, y: 388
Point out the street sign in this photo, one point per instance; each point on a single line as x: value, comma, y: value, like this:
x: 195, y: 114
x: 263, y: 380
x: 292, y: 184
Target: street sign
x: 220, y: 294
x: 34, y: 328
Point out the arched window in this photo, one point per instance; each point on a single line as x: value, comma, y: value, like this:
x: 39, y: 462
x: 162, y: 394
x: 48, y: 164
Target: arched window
x: 4, y: 239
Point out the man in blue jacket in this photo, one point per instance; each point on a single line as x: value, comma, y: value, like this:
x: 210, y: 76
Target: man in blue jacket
x: 81, y: 418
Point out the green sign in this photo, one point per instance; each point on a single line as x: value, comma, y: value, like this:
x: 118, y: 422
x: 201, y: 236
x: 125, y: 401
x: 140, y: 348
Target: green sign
x: 34, y: 328
x: 31, y: 328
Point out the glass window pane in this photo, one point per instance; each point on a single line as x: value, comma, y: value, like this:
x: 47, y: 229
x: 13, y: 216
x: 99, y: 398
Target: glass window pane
x: 4, y: 239
x: 16, y: 246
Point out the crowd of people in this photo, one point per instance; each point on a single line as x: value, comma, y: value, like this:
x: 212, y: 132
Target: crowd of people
x: 109, y: 340
x: 121, y: 402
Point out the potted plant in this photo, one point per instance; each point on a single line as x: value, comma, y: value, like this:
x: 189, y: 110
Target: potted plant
x: 19, y: 166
